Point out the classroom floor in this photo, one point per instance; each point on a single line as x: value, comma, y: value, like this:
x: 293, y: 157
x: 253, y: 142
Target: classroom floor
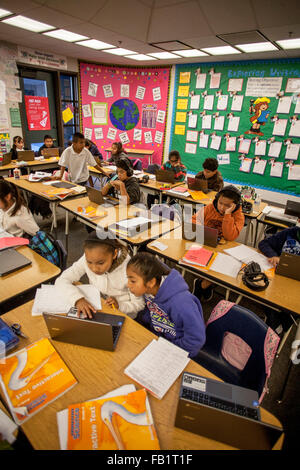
x: 288, y: 412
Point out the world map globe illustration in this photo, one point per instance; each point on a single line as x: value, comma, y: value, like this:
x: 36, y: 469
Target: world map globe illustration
x: 124, y: 114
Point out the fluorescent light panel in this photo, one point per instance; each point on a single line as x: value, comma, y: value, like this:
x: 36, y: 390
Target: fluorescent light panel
x: 4, y: 13
x: 27, y: 23
x: 257, y: 47
x: 119, y: 51
x: 95, y: 44
x: 289, y: 43
x: 65, y: 35
x: 221, y: 50
x: 140, y: 57
x: 164, y: 55
x: 190, y: 53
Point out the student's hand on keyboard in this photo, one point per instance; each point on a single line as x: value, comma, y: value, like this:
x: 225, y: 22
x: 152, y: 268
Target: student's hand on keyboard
x: 112, y: 302
x: 274, y: 261
x: 84, y: 307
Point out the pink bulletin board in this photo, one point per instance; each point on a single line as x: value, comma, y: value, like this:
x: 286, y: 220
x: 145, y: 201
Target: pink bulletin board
x: 125, y: 103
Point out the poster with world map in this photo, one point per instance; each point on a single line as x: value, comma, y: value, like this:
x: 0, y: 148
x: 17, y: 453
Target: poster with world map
x: 128, y: 104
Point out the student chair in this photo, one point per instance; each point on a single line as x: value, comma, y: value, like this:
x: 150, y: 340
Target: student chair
x: 136, y: 164
x: 239, y: 348
x: 153, y: 168
x: 172, y: 212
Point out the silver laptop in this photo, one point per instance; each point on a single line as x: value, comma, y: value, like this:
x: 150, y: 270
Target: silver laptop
x: 11, y: 260
x: 97, y: 197
x: 223, y: 412
x: 100, y: 332
x: 289, y: 266
x: 199, y: 233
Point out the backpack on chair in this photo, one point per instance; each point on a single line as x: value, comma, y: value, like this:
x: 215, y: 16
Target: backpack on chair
x: 46, y: 246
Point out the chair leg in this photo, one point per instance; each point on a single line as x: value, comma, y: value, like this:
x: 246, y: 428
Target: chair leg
x: 239, y: 299
x: 227, y: 294
x: 282, y: 342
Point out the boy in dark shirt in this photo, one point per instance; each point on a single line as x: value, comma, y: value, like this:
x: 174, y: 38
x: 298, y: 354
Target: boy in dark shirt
x: 126, y: 184
x: 48, y: 144
x: 211, y: 174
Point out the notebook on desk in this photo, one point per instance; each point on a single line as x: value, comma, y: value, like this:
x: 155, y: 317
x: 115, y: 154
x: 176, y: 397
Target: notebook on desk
x: 223, y: 412
x: 100, y: 332
x: 11, y: 260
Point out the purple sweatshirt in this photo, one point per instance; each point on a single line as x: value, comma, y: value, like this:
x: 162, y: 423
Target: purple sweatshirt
x: 176, y: 314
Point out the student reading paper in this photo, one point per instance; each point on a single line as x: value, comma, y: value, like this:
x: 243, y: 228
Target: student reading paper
x: 171, y: 310
x: 225, y: 214
x: 104, y: 262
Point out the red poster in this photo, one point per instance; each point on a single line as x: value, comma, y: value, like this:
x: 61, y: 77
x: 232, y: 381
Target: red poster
x: 37, y: 112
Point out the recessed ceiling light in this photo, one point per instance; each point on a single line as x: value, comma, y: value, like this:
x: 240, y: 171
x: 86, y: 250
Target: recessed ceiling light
x: 4, y: 13
x: 120, y: 51
x: 140, y: 57
x: 164, y: 55
x: 257, y: 47
x: 27, y: 23
x: 289, y: 43
x: 190, y: 53
x: 65, y: 35
x: 221, y: 50
x: 95, y: 44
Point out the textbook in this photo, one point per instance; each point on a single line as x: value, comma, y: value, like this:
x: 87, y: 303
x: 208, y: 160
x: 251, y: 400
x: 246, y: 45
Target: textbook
x: 59, y: 193
x: 116, y: 423
x: 32, y: 378
x: 198, y: 256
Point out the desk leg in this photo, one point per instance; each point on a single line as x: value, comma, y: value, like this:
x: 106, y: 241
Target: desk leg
x: 282, y: 342
x: 160, y: 197
x: 54, y: 222
x: 67, y: 229
x: 239, y: 299
x: 227, y: 294
x: 247, y: 231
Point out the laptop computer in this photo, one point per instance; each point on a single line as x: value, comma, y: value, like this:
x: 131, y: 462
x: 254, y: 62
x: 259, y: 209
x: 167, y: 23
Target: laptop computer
x: 26, y: 155
x: 289, y: 266
x: 292, y: 208
x: 51, y: 152
x: 223, y: 412
x: 165, y: 176
x: 100, y: 332
x: 96, y: 196
x: 196, y: 184
x: 6, y: 159
x: 199, y: 233
x: 11, y: 260
x: 63, y: 184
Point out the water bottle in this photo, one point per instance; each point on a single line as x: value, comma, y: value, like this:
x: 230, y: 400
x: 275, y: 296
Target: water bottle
x: 256, y: 203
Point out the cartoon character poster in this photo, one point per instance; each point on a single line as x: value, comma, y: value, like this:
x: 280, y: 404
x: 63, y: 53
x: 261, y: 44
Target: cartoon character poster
x: 259, y: 109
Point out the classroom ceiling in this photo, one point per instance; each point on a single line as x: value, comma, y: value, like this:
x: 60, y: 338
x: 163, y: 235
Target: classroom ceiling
x: 138, y: 24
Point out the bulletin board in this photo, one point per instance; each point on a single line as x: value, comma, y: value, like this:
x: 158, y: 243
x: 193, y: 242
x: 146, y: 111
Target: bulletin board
x: 245, y: 114
x: 127, y: 104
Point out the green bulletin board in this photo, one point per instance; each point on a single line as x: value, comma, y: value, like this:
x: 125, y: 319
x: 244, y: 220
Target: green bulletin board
x: 259, y: 101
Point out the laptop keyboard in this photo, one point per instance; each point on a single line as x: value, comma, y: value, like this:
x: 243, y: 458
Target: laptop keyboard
x: 204, y: 399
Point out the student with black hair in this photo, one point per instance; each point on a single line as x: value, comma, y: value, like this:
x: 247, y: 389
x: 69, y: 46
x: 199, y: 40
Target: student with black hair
x: 126, y: 186
x: 77, y: 158
x: 211, y: 174
x: 104, y: 262
x: 92, y: 147
x: 284, y: 241
x: 48, y: 144
x: 117, y: 151
x: 171, y: 310
x: 174, y: 164
x: 225, y: 214
x: 15, y: 217
x: 18, y: 146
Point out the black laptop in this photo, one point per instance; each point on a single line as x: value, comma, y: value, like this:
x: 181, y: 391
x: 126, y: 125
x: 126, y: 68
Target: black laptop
x: 289, y: 266
x: 223, y: 412
x: 100, y: 332
x: 11, y: 260
x: 97, y: 197
x: 199, y: 233
x: 292, y: 208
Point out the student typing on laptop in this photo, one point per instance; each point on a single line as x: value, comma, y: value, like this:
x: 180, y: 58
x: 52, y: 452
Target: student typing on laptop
x: 285, y: 241
x: 15, y: 217
x: 48, y: 144
x: 174, y: 164
x: 211, y: 174
x: 126, y: 185
x: 104, y: 262
x: 225, y: 214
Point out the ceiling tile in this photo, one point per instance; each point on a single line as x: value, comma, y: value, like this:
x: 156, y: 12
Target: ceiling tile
x: 17, y: 6
x: 272, y: 13
x: 46, y: 15
x: 75, y: 8
x: 229, y: 16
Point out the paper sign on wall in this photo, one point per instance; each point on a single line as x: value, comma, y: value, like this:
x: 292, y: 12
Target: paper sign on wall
x: 88, y: 132
x: 86, y: 110
x: 190, y: 148
x: 99, y: 113
x: 192, y: 136
x: 215, y: 79
x: 179, y: 129
x: 137, y: 134
x: 37, y: 112
x: 160, y: 116
x: 140, y: 92
x: 98, y: 133
x: 111, y: 134
x: 237, y: 103
x: 148, y: 137
x: 158, y: 137
x: 182, y: 103
x: 92, y: 90
x: 183, y: 91
x: 203, y: 141
x: 295, y: 128
x: 156, y: 94
x: 107, y: 90
x: 201, y: 80
x: 208, y: 102
x: 124, y: 90
x: 274, y: 149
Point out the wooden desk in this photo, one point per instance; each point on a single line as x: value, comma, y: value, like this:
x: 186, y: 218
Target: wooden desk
x: 37, y: 189
x: 156, y: 188
x: 36, y: 165
x: 138, y: 153
x: 99, y: 372
x: 115, y: 214
x: 29, y: 277
x: 282, y: 293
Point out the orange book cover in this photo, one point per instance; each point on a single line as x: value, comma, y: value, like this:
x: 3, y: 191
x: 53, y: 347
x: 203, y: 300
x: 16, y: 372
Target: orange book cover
x: 32, y: 378
x: 118, y: 423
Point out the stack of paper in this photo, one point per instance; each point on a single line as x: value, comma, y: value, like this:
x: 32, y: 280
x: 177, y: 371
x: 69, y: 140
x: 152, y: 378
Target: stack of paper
x: 198, y: 256
x: 226, y: 264
x: 158, y: 366
x: 39, y: 176
x: 179, y: 190
x: 53, y: 299
x: 245, y: 254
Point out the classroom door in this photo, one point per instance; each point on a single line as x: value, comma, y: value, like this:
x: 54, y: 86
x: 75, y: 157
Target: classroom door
x: 39, y: 116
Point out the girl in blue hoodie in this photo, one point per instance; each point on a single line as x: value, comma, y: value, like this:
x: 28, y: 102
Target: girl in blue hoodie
x: 171, y: 310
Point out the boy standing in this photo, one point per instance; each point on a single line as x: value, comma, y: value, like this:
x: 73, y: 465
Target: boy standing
x: 211, y: 174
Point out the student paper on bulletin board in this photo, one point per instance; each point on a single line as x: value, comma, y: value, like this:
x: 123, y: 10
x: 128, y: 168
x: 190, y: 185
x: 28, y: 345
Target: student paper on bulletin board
x: 126, y: 102
x: 247, y: 100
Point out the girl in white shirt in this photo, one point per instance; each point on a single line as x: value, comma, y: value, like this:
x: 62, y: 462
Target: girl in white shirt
x: 104, y: 261
x: 15, y: 217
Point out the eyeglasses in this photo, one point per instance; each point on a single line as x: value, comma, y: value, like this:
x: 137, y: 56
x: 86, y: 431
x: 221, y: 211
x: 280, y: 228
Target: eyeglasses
x: 173, y: 161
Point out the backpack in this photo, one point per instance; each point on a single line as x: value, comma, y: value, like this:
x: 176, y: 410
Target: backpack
x: 45, y: 245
